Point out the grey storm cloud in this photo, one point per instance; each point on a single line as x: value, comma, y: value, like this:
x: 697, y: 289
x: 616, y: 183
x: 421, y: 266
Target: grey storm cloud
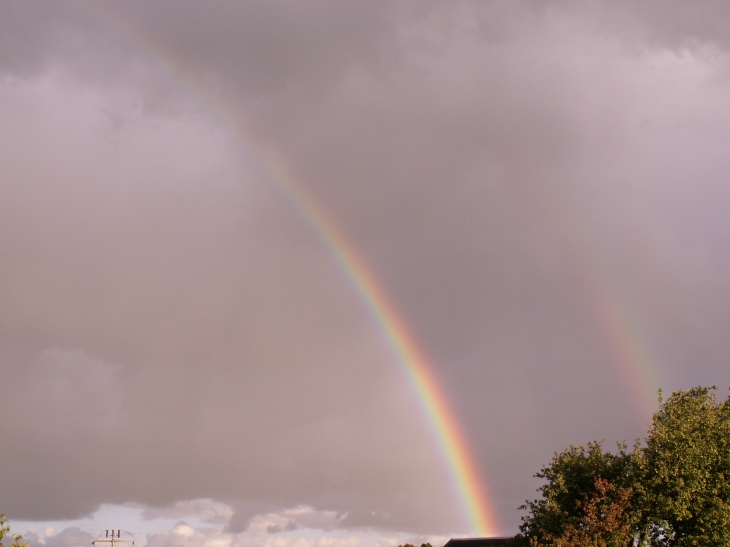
x: 172, y: 329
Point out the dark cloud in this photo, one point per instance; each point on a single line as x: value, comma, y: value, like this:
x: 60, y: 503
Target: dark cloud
x: 539, y: 187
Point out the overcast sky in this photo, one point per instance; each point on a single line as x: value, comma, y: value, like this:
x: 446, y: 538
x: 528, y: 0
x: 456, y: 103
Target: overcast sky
x: 541, y: 188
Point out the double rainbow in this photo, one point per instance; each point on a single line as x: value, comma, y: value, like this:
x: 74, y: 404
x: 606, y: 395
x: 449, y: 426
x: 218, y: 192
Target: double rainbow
x: 609, y: 306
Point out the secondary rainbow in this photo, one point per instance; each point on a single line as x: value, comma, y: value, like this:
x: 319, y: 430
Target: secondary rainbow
x: 458, y: 456
x: 615, y: 318
x: 631, y: 353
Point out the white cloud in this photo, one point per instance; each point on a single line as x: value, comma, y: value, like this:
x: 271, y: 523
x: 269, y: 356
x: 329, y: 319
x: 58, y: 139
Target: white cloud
x: 205, y: 510
x: 299, y: 526
x: 302, y: 516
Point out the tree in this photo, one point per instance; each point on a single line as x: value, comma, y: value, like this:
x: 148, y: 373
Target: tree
x: 674, y: 491
x: 686, y: 480
x: 583, y: 483
x: 5, y: 529
x: 606, y: 520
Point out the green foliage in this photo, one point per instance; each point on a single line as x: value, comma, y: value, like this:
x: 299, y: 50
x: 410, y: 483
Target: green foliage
x: 5, y: 529
x: 672, y: 492
x: 605, y: 522
x: 687, y: 470
x: 572, y: 483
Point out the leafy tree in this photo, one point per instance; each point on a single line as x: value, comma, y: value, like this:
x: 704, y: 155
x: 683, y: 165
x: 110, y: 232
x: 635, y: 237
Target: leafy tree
x: 606, y: 520
x: 672, y: 492
x: 686, y: 483
x: 5, y: 529
x: 578, y: 480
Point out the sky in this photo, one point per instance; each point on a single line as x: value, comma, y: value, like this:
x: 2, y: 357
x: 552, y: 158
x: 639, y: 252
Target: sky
x: 214, y: 215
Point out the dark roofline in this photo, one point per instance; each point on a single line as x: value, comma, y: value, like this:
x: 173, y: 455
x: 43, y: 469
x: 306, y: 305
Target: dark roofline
x: 478, y: 542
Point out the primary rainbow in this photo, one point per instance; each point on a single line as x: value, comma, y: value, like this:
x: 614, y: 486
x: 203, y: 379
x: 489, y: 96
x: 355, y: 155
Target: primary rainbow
x: 462, y: 467
x: 420, y: 373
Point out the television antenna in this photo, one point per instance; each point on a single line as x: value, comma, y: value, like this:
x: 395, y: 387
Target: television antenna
x: 113, y: 537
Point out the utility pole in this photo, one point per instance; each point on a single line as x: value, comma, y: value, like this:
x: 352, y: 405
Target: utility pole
x: 116, y: 537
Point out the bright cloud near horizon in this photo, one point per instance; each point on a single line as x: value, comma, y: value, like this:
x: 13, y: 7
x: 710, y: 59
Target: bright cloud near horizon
x: 540, y: 191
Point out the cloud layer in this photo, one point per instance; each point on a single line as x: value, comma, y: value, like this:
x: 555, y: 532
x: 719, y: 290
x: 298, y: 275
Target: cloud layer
x: 540, y: 189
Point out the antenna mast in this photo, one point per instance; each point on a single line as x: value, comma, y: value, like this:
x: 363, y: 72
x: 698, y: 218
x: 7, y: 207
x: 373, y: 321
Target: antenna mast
x: 116, y: 537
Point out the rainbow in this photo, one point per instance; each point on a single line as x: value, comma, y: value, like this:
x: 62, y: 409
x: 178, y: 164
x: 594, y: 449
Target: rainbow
x: 630, y: 352
x: 444, y: 424
x: 614, y: 318
x: 446, y: 427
